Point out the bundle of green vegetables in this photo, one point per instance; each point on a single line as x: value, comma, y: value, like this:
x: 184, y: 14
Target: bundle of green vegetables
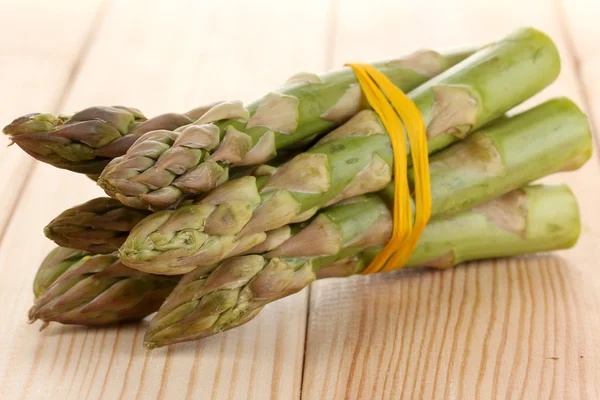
x: 217, y: 212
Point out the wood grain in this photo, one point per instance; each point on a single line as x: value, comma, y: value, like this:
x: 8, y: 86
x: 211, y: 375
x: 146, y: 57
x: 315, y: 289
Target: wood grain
x: 484, y: 330
x: 521, y: 328
x: 158, y: 56
x: 37, y: 67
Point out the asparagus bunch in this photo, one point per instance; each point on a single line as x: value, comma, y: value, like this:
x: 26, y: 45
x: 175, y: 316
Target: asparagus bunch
x: 235, y: 216
x: 533, y: 219
x: 245, y: 233
x: 74, y: 287
x: 87, y: 140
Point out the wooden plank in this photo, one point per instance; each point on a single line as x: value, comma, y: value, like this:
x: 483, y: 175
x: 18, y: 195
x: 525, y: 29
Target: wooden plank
x: 159, y: 56
x: 518, y: 328
x: 580, y: 27
x: 38, y: 59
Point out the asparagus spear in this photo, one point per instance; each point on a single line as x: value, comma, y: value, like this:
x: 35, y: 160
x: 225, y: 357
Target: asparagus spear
x: 504, y: 156
x: 533, y: 219
x: 95, y: 290
x: 100, y: 225
x: 87, y: 140
x: 163, y: 168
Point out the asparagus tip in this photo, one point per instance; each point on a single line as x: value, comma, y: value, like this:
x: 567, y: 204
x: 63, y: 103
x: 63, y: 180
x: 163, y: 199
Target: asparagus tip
x: 32, y: 314
x: 30, y: 123
x: 33, y: 317
x: 148, y: 345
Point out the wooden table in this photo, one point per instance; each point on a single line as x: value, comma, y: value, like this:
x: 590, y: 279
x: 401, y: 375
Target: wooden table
x: 520, y: 328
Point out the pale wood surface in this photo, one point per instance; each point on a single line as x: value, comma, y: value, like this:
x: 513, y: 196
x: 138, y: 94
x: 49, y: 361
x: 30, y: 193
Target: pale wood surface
x: 521, y: 328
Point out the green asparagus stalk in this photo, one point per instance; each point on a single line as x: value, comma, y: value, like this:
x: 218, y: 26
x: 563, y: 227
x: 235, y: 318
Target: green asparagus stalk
x: 533, y: 219
x: 551, y: 137
x: 162, y: 169
x: 95, y: 290
x: 87, y: 140
x: 99, y: 226
x: 165, y: 167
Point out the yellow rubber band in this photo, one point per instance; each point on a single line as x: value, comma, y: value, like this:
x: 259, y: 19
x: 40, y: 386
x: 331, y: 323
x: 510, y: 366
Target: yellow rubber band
x: 402, y: 119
